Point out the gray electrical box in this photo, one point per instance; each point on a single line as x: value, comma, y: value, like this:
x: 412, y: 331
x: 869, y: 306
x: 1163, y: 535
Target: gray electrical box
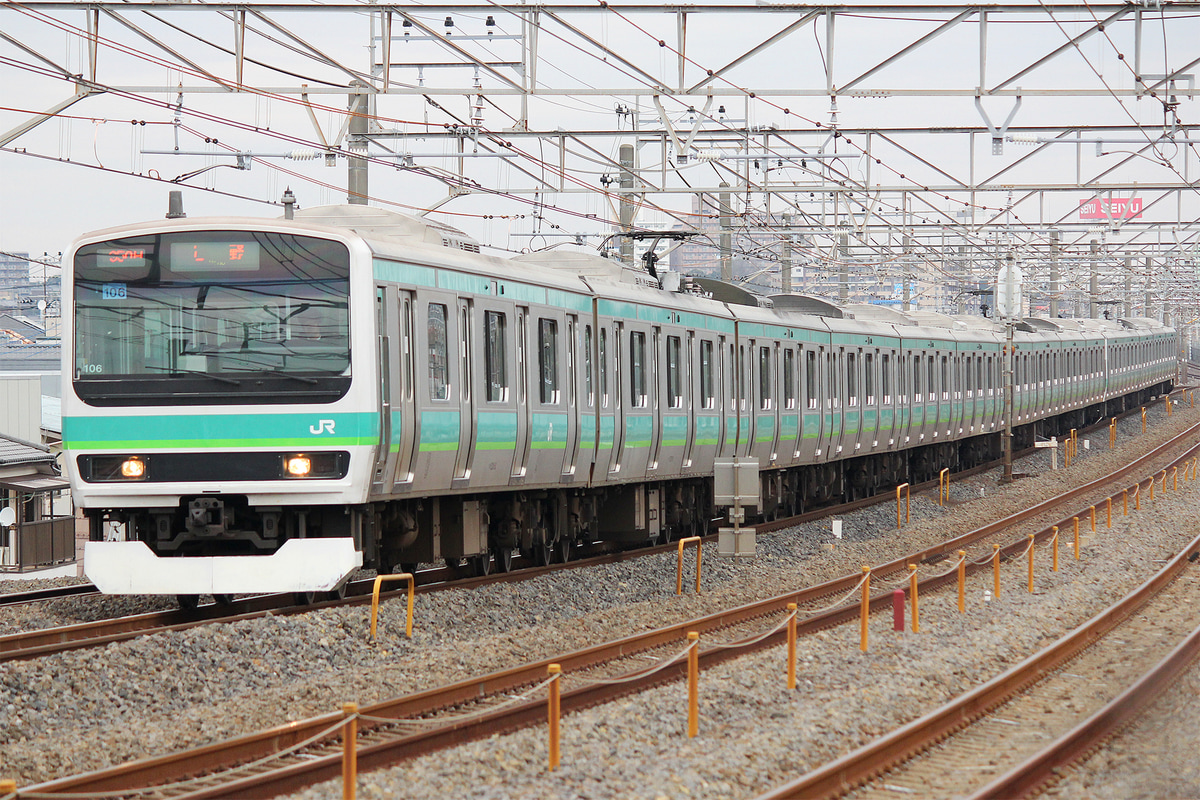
x: 735, y: 482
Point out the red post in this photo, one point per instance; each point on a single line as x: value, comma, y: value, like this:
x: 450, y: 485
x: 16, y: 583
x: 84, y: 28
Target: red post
x: 898, y: 610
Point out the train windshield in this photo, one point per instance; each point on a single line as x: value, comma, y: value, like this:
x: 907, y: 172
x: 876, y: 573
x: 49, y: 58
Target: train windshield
x: 212, y: 316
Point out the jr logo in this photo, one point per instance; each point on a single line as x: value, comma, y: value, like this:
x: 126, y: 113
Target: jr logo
x: 322, y: 426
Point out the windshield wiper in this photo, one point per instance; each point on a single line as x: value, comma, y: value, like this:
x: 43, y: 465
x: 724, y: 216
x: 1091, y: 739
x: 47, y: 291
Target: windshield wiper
x: 178, y: 371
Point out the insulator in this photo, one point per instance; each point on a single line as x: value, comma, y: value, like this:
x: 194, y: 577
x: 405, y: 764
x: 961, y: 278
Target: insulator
x: 1022, y: 139
x: 302, y: 155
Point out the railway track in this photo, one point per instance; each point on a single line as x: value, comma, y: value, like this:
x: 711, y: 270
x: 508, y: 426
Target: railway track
x: 1010, y: 736
x: 50, y: 593
x: 405, y: 727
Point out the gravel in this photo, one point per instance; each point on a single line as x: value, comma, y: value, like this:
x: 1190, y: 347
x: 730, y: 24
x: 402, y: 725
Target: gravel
x: 87, y: 709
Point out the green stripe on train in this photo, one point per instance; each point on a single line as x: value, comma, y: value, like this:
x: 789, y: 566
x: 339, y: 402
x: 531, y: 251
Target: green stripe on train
x: 207, y: 431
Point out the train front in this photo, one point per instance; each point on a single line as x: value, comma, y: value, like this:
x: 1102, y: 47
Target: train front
x: 218, y: 431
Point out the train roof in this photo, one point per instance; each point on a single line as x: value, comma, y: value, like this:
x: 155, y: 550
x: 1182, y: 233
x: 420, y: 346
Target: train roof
x: 379, y: 223
x: 586, y: 265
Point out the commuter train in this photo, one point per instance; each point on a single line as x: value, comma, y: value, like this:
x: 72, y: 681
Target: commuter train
x: 267, y: 405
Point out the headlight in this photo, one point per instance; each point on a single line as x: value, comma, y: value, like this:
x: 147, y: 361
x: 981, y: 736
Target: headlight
x: 298, y: 466
x: 133, y: 468
x: 114, y: 468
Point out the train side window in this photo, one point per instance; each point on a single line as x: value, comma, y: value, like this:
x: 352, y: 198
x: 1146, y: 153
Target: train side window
x: 708, y: 392
x: 810, y: 378
x: 495, y: 355
x: 637, y: 369
x: 548, y: 360
x: 833, y: 363
x: 407, y: 336
x: 869, y: 378
x: 851, y: 379
x: 674, y: 373
x: 764, y: 378
x: 916, y: 378
x: 465, y: 354
x: 741, y: 366
x: 589, y: 397
x: 439, y: 367
x: 789, y: 378
x: 604, y: 368
x: 885, y: 384
x: 930, y: 377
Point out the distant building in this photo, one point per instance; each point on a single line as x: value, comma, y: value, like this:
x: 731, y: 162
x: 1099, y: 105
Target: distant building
x: 14, y: 270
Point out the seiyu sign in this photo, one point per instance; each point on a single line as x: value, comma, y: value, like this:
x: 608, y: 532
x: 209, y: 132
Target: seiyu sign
x: 1114, y: 208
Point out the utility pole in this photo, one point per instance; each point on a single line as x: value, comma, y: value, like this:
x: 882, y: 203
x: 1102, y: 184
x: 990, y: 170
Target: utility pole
x: 1054, y: 276
x: 787, y: 254
x: 356, y: 144
x: 625, y: 156
x: 726, y: 238
x: 1094, y: 283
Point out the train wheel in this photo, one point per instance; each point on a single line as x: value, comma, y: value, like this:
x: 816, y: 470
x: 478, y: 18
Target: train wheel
x: 504, y: 558
x: 223, y: 599
x: 482, y: 564
x: 543, y: 552
x: 304, y: 598
x: 336, y: 594
x: 564, y: 548
x: 188, y: 602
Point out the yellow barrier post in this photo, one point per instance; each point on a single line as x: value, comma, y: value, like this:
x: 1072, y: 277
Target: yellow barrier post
x: 912, y: 588
x: 8, y: 787
x: 412, y: 589
x: 791, y: 650
x: 1167, y: 402
x: 1054, y: 544
x: 1109, y: 510
x: 350, y: 751
x: 1077, y: 536
x: 907, y: 497
x: 693, y: 684
x: 1174, y: 479
x: 554, y: 711
x: 1093, y: 519
x: 962, y: 581
x: 679, y: 565
x: 944, y: 478
x: 996, y: 571
x: 1143, y: 419
x: 1112, y: 433
x: 865, y: 611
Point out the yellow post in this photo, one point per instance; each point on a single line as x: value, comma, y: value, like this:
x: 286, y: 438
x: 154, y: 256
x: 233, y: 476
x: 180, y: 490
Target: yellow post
x: 1143, y: 419
x: 944, y: 478
x: 1167, y: 402
x: 865, y: 611
x: 349, y: 751
x: 791, y: 650
x: 1093, y: 519
x: 554, y: 711
x: 996, y: 571
x: 412, y: 589
x: 1112, y: 433
x: 1125, y: 496
x: 1054, y: 544
x: 1174, y: 479
x: 1077, y: 531
x: 1031, y: 563
x: 962, y: 581
x: 1109, y: 509
x: 912, y: 588
x: 693, y: 683
x: 679, y: 565
x: 7, y: 788
x: 1137, y: 497
x: 907, y: 495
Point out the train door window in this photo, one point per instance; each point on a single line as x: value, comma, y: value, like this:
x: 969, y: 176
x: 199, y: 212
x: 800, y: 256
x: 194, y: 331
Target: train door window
x: 833, y: 364
x: 522, y: 383
x: 979, y: 375
x: 810, y: 378
x: 789, y: 378
x: 637, y: 369
x: 740, y: 402
x: 764, y: 378
x: 589, y: 397
x: 407, y: 336
x: 885, y: 374
x: 851, y: 379
x: 945, y: 378
x: 465, y: 355
x: 571, y: 379
x: 930, y: 378
x: 603, y: 368
x: 708, y: 391
x: 548, y: 360
x: 439, y: 366
x: 916, y: 378
x: 869, y: 378
x: 495, y: 355
x: 674, y: 373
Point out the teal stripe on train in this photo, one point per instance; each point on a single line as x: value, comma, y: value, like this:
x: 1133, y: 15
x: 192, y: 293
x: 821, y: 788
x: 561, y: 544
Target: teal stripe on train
x: 207, y: 431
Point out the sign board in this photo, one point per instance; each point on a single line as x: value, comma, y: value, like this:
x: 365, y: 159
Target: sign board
x: 1114, y: 208
x: 735, y: 482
